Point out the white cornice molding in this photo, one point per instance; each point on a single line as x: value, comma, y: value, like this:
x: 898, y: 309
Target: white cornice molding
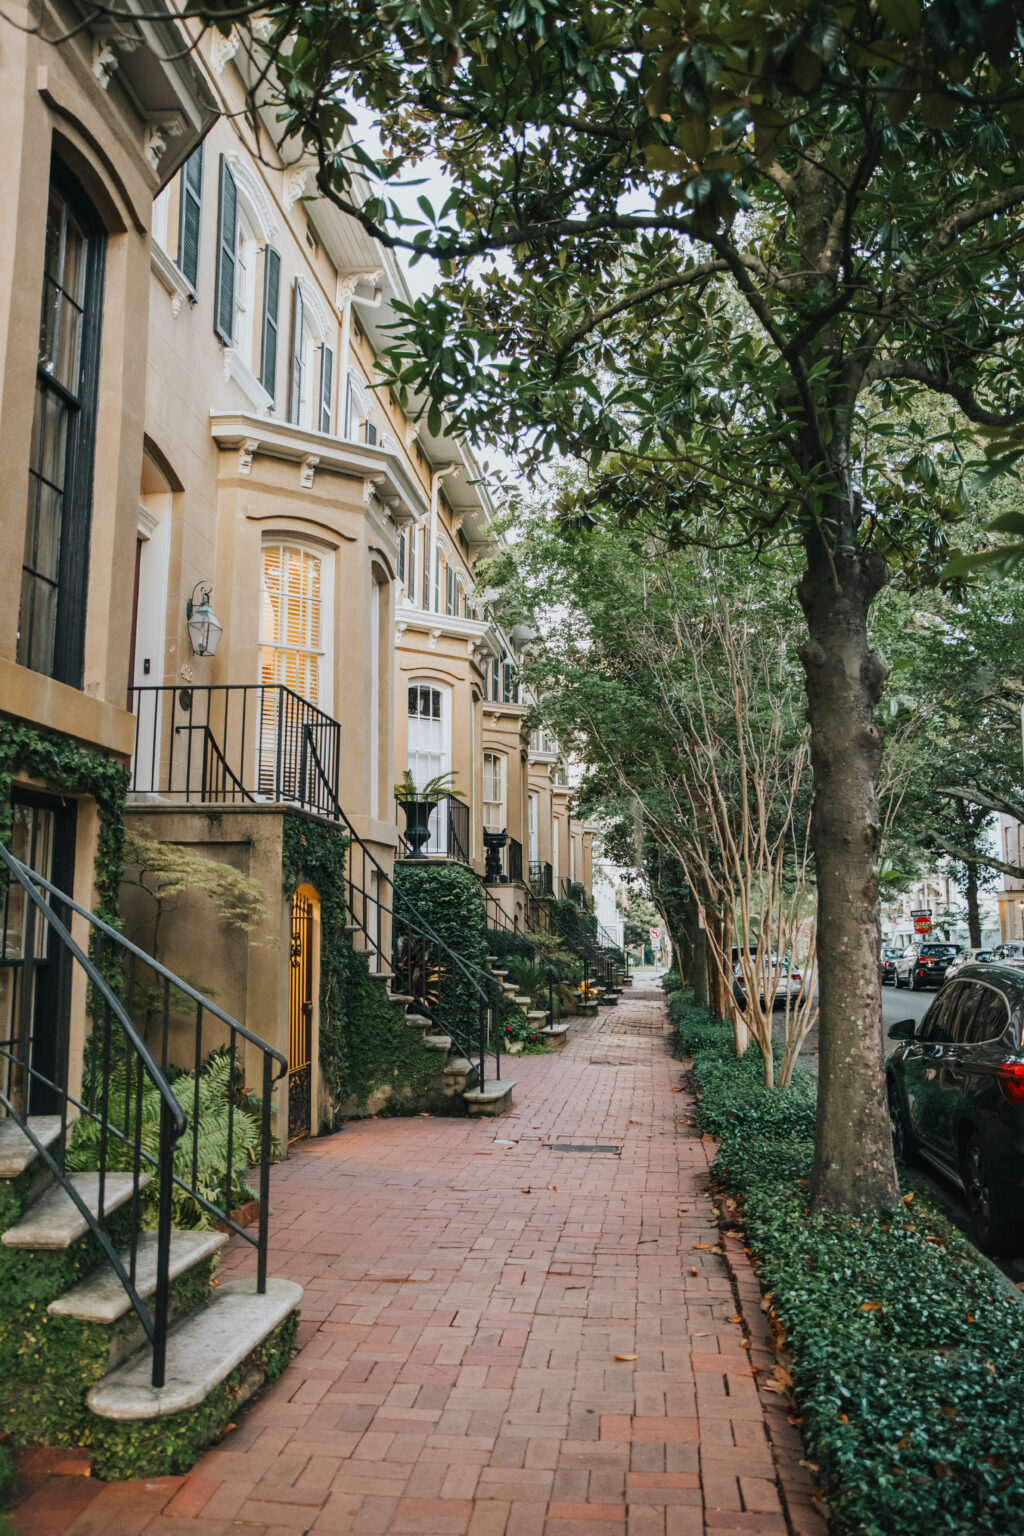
x: 167, y: 274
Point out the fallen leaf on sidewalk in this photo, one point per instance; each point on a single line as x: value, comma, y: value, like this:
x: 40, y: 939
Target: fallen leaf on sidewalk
x: 693, y: 1269
x: 734, y: 1319
x: 702, y: 1245
x: 627, y: 1357
x: 526, y: 1191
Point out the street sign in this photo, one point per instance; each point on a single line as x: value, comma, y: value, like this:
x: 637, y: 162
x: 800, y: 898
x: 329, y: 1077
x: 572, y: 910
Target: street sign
x: 922, y: 922
x: 655, y: 935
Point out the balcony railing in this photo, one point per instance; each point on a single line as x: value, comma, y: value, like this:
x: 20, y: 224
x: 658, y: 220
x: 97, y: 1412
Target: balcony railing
x: 541, y: 878
x: 449, y: 830
x: 235, y: 743
x: 572, y: 890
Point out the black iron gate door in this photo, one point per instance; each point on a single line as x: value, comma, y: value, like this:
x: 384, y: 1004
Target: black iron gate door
x: 300, y: 1020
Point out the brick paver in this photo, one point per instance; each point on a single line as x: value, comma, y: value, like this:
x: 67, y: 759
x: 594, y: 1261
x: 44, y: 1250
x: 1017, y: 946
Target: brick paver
x: 498, y: 1339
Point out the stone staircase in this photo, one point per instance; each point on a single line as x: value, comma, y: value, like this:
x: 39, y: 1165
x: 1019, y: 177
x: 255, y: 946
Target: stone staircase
x: 459, y: 1077
x: 554, y: 1034
x: 76, y: 1363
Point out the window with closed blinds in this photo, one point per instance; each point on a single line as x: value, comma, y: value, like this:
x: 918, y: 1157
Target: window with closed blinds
x: 295, y: 627
x: 271, y: 305
x: 292, y: 648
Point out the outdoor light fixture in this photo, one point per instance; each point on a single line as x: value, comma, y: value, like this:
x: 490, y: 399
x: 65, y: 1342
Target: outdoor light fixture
x: 204, y: 628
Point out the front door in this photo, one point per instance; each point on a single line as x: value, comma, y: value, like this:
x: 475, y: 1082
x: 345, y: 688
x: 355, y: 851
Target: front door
x: 34, y: 965
x: 300, y: 1020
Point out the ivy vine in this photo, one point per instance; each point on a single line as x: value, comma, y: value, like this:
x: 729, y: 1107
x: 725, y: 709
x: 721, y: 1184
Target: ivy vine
x: 69, y: 769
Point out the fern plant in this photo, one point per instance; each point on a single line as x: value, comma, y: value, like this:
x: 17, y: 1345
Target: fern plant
x: 205, y: 1139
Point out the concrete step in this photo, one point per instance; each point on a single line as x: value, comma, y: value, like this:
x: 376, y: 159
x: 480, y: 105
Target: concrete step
x: 403, y: 999
x: 556, y: 1035
x: 499, y: 973
x: 437, y: 1042
x: 16, y: 1151
x: 55, y: 1221
x: 537, y: 1013
x: 522, y: 1001
x: 509, y: 988
x: 418, y: 1021
x: 202, y: 1351
x: 494, y: 1098
x: 101, y: 1298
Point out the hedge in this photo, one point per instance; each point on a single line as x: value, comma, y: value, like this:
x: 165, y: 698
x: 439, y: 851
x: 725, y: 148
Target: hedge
x: 907, y: 1351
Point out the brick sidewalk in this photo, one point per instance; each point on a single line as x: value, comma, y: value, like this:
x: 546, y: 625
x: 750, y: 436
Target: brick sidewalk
x: 468, y: 1289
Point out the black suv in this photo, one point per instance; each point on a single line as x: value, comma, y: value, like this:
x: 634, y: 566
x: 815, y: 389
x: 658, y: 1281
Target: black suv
x: 956, y: 1096
x: 925, y: 965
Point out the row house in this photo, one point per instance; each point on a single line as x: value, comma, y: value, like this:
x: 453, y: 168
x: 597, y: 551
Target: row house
x: 242, y: 570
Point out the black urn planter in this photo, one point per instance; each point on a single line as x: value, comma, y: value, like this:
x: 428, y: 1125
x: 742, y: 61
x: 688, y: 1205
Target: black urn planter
x: 494, y: 842
x: 417, y: 825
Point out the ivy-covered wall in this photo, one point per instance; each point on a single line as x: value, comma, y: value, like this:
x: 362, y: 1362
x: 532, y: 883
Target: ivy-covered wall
x: 450, y: 899
x: 364, y: 1043
x: 68, y: 769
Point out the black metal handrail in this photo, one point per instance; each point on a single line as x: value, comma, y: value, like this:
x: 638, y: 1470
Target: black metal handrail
x: 119, y: 1065
x: 449, y: 833
x: 372, y: 897
x: 541, y: 877
x: 229, y: 742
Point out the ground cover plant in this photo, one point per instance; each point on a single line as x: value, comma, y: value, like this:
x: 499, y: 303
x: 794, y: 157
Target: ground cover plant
x: 905, y: 1347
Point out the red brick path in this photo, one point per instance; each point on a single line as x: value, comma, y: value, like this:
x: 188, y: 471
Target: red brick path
x: 468, y: 1290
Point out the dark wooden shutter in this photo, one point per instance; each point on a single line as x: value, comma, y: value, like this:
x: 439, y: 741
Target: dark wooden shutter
x: 295, y: 379
x: 271, y: 304
x: 188, y: 217
x: 326, y: 387
x: 227, y: 244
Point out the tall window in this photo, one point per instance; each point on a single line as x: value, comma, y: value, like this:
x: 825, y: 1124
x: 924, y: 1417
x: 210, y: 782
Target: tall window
x: 293, y: 629
x: 494, y: 792
x: 430, y: 749
x: 534, y: 829
x: 51, y: 629
x: 410, y: 585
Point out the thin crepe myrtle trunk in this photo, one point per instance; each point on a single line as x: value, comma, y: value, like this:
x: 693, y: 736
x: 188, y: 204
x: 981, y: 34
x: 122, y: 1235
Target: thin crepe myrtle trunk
x: 973, y: 909
x: 853, y: 1160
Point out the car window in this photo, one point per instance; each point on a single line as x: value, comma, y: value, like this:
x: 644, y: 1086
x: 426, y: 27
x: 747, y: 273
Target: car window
x: 937, y: 1024
x: 938, y: 951
x: 983, y: 1016
x: 983, y: 955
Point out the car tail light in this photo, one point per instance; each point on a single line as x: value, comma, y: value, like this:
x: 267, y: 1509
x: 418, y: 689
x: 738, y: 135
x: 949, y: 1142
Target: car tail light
x: 1011, y: 1080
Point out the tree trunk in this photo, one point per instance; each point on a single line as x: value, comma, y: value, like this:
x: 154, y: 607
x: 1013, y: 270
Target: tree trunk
x: 973, y: 909
x: 699, y: 967
x: 853, y: 1160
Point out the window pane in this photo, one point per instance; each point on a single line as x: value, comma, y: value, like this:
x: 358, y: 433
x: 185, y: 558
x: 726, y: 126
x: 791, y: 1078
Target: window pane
x: 52, y: 459
x: 414, y: 695
x: 44, y: 557
x: 38, y: 623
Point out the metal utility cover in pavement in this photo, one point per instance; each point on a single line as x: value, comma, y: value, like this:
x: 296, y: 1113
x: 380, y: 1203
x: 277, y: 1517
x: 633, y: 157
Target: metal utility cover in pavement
x: 568, y: 1146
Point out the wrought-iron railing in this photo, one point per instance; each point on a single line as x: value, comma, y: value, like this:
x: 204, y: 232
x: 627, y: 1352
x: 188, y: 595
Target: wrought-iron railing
x: 233, y: 742
x: 512, y: 859
x: 449, y: 830
x: 541, y: 878
x: 572, y: 890
x: 132, y: 1076
x: 399, y: 943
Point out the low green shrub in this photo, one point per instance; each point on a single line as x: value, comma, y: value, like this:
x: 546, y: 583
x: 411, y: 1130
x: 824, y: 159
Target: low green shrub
x: 671, y: 981
x: 907, y: 1352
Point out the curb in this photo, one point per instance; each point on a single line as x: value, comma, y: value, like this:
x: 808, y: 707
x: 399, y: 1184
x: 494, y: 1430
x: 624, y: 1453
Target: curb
x: 800, y: 1496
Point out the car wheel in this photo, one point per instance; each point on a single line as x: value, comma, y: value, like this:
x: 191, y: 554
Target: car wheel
x: 915, y: 985
x: 902, y: 1136
x: 993, y: 1232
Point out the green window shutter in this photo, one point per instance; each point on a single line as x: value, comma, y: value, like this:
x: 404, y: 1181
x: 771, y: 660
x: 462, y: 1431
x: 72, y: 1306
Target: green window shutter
x: 271, y: 304
x: 227, y: 244
x: 401, y: 555
x: 188, y: 217
x: 326, y: 387
x: 295, y: 377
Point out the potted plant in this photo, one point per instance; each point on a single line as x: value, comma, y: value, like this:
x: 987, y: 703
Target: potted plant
x: 419, y: 802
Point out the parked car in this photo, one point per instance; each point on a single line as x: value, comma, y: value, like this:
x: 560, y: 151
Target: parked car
x: 1011, y: 952
x: 956, y: 1096
x: 889, y: 958
x: 924, y: 965
x: 967, y: 956
x: 787, y: 979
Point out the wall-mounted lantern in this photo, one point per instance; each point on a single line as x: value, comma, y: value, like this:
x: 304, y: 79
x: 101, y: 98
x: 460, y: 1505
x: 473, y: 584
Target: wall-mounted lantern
x: 204, y: 628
